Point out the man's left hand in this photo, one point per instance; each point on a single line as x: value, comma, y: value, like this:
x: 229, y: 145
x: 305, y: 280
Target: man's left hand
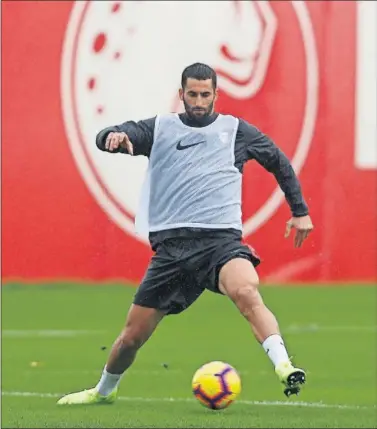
x: 303, y: 226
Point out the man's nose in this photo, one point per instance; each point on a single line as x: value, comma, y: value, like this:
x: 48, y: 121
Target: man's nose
x: 199, y: 101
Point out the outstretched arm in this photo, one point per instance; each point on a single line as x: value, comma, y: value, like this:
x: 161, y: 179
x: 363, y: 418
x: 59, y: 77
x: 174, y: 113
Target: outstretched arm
x: 133, y: 138
x: 261, y: 148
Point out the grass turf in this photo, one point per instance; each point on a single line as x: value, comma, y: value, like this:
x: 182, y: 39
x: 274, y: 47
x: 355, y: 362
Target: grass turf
x: 54, y: 339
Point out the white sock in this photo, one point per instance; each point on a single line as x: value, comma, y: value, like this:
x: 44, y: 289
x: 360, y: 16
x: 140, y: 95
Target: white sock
x: 275, y: 349
x: 108, y: 382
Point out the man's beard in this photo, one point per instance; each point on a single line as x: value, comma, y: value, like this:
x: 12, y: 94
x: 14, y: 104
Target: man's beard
x: 205, y: 113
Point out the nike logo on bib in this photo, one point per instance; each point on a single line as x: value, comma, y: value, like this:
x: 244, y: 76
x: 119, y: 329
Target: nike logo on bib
x: 180, y: 147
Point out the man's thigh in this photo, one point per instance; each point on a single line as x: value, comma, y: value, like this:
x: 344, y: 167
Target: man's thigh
x: 226, y: 250
x: 167, y: 286
x: 237, y: 275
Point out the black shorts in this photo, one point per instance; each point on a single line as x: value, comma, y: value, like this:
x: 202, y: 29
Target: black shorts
x: 183, y: 267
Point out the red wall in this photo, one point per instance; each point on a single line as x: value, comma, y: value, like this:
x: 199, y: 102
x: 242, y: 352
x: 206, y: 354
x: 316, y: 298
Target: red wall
x: 52, y: 224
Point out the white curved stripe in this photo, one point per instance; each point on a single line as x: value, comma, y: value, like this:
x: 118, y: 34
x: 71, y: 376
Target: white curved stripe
x: 310, y: 115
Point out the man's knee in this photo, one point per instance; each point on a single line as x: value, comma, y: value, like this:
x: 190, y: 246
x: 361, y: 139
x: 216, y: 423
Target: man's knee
x: 246, y: 291
x: 240, y: 282
x: 140, y: 324
x: 247, y: 298
x: 132, y: 338
x: 238, y: 278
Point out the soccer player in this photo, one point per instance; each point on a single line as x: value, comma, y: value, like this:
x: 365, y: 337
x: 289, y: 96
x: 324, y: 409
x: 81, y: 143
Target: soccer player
x: 191, y: 207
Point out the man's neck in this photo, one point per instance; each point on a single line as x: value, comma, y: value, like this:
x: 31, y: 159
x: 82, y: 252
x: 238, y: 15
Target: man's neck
x: 202, y: 122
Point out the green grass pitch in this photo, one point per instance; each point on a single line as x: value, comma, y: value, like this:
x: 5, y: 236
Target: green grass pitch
x: 54, y: 339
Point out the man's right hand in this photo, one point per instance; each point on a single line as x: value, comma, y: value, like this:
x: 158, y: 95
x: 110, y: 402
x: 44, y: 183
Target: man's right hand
x: 116, y: 140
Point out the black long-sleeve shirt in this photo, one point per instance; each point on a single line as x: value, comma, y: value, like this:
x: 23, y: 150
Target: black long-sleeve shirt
x: 250, y: 144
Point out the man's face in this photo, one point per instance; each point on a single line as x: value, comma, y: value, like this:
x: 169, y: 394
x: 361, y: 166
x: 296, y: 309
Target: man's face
x: 198, y: 97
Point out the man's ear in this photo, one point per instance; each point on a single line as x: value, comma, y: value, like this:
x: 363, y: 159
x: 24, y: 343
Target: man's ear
x: 180, y: 94
x: 216, y: 94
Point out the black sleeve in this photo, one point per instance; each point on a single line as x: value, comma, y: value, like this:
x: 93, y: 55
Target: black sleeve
x: 261, y: 148
x: 140, y: 134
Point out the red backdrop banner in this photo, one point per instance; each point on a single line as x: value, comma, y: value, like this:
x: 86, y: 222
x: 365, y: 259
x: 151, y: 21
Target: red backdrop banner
x: 69, y: 69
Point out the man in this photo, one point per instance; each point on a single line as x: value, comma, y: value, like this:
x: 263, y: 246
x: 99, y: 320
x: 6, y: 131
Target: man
x: 192, y: 211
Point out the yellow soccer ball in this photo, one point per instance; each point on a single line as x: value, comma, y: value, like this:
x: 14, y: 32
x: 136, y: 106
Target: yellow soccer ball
x: 216, y: 385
